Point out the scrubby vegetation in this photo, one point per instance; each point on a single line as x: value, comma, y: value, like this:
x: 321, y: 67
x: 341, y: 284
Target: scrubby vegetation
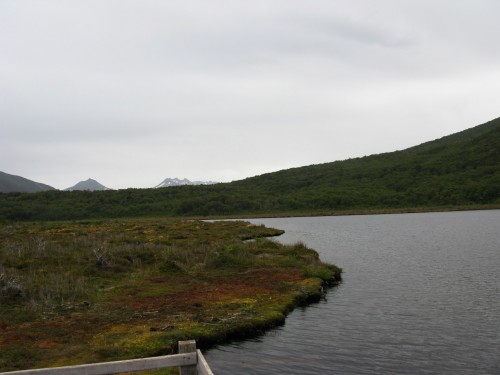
x: 461, y: 170
x: 80, y: 292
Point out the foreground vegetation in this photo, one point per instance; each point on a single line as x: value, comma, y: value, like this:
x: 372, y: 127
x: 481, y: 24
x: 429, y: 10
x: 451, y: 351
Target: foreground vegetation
x: 461, y: 170
x: 88, y: 291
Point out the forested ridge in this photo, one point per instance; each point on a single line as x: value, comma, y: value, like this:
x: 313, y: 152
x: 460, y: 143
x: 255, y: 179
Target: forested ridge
x: 462, y: 169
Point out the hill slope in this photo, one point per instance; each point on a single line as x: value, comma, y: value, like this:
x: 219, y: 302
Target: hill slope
x: 462, y: 169
x: 12, y: 183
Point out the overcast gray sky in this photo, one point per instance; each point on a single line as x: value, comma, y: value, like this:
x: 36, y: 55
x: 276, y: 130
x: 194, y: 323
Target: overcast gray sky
x: 131, y: 92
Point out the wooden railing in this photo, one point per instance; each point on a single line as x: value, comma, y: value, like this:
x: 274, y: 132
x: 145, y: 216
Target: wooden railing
x: 189, y: 360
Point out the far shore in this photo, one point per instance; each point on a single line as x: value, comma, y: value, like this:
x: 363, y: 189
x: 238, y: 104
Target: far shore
x: 351, y: 212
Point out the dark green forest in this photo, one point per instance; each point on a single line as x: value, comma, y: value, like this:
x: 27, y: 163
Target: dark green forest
x: 460, y: 170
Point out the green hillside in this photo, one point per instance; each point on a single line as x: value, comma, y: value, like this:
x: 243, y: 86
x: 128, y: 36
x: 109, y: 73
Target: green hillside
x: 460, y: 170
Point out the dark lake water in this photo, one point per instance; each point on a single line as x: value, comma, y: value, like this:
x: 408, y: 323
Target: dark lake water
x: 420, y: 295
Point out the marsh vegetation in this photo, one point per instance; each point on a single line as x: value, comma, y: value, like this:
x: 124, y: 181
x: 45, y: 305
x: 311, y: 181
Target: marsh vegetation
x: 80, y: 292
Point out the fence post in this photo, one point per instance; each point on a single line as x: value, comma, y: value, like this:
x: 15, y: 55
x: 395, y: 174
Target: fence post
x: 188, y: 346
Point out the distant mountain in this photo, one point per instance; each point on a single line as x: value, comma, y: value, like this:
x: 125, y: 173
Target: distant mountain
x: 90, y: 185
x: 178, y: 182
x: 10, y: 183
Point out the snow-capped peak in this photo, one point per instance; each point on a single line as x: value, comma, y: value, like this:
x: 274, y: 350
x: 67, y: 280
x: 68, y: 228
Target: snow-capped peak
x: 179, y: 182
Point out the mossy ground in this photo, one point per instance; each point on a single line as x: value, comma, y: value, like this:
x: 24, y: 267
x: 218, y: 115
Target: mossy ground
x: 82, y: 292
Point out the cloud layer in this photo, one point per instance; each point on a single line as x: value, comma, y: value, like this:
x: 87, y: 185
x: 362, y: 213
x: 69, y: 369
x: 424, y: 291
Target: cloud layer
x: 131, y: 92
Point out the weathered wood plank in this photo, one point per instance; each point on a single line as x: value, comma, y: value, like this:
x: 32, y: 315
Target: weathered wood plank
x: 188, y: 346
x: 175, y: 360
x: 202, y: 366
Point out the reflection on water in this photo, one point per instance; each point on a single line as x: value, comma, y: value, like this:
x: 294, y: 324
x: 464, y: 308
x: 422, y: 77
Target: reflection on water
x: 420, y: 296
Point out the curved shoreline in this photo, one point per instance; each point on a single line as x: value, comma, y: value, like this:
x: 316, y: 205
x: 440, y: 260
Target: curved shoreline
x: 312, y: 293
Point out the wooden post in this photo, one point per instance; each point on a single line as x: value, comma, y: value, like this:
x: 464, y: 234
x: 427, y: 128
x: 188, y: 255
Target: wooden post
x: 188, y: 346
x: 203, y: 368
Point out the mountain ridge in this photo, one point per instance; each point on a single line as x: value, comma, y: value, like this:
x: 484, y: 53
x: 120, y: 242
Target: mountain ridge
x: 10, y: 183
x: 88, y: 185
x: 168, y: 182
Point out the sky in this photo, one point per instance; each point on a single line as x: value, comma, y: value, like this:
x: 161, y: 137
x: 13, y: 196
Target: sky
x: 132, y: 92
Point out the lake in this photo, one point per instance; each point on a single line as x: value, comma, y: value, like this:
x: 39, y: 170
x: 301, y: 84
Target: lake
x: 420, y: 295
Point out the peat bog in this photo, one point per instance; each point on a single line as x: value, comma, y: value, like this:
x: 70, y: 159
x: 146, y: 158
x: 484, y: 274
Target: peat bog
x: 88, y: 291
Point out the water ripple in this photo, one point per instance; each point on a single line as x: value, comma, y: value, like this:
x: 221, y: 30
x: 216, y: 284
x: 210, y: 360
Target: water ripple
x: 419, y: 296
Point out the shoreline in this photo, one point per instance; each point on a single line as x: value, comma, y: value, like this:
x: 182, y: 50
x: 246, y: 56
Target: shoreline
x: 310, y: 294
